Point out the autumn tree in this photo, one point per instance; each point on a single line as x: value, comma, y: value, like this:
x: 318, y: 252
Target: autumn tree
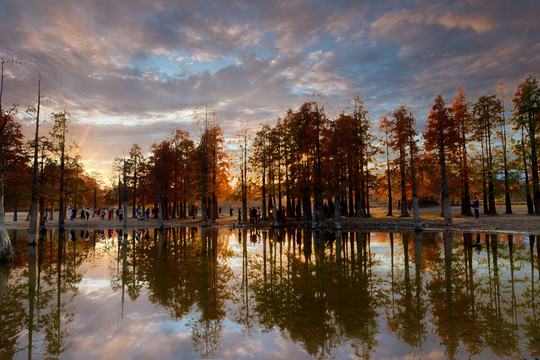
x: 203, y: 118
x: 135, y: 158
x: 527, y: 114
x: 460, y: 112
x: 11, y: 154
x: 32, y: 231
x: 507, y: 200
x: 260, y: 162
x: 384, y: 128
x: 441, y: 136
x: 400, y: 124
x: 6, y: 132
x: 487, y: 111
x: 59, y: 132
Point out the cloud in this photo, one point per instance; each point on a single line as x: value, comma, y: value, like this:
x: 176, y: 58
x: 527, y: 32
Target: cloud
x: 116, y: 64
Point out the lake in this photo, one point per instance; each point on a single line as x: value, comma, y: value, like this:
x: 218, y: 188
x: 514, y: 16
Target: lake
x: 188, y: 293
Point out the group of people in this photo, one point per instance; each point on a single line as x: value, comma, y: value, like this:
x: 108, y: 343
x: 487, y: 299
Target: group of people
x: 111, y: 213
x: 85, y: 213
x: 254, y: 215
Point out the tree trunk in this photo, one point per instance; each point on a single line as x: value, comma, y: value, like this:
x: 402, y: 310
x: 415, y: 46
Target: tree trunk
x: 447, y: 214
x: 404, y: 212
x: 530, y: 208
x: 61, y: 211
x: 484, y: 183
x: 337, y: 214
x: 491, y: 191
x: 264, y: 212
x: 389, y: 213
x: 416, y: 206
x: 534, y: 166
x: 32, y: 230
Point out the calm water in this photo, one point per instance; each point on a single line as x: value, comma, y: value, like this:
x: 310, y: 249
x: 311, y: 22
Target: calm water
x: 188, y: 293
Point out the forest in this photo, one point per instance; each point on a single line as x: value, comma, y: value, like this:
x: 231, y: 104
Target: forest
x: 305, y: 163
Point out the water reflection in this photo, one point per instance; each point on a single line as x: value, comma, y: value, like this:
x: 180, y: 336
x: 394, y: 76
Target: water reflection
x: 208, y: 293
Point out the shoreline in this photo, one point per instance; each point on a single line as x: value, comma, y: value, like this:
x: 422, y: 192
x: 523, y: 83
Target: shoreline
x: 518, y: 223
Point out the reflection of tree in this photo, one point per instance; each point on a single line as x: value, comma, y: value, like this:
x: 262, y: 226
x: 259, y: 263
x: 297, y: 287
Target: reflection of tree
x: 206, y: 329
x: 316, y: 296
x: 494, y: 311
x: 409, y: 312
x: 13, y: 314
x: 181, y: 271
x: 531, y: 301
x: 42, y: 284
x: 444, y: 290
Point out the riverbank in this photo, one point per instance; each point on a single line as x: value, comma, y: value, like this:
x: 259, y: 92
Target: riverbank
x: 518, y: 222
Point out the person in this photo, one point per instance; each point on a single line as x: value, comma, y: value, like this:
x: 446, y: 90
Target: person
x: 102, y: 214
x: 476, y: 206
x: 239, y: 215
x: 120, y: 213
x: 231, y: 211
x: 147, y: 213
x: 255, y: 216
x: 73, y: 213
x: 83, y: 216
x: 87, y: 214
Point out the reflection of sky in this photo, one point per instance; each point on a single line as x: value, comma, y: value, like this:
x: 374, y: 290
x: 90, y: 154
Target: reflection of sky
x: 106, y: 328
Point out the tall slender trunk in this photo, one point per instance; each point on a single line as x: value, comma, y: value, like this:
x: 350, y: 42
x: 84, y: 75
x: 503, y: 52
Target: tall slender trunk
x: 264, y: 215
x: 534, y: 164
x: 389, y: 213
x: 41, y: 199
x: 159, y: 178
x: 351, y: 198
x: 274, y: 211
x: 337, y: 202
x: 125, y: 196
x: 204, y: 177
x: 465, y: 196
x: 6, y: 250
x: 507, y: 199
x: 61, y: 205
x: 530, y: 208
x: 416, y: 205
x: 491, y: 189
x: 404, y: 212
x: 32, y: 231
x: 134, y: 206
x: 445, y: 196
x: 484, y: 183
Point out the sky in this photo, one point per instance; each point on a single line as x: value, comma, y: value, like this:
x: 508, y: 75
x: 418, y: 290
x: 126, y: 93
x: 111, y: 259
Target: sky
x: 132, y: 71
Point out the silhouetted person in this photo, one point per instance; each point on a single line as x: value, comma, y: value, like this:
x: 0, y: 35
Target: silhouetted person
x: 476, y: 206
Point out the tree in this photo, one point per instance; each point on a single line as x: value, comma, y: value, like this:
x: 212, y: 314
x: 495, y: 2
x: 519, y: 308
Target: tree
x: 508, y: 204
x: 441, y: 134
x: 462, y: 117
x: 384, y: 127
x: 59, y: 132
x: 487, y: 111
x: 32, y: 231
x: 8, y: 130
x: 135, y: 158
x: 11, y: 153
x: 527, y: 114
x: 202, y: 117
x: 399, y: 140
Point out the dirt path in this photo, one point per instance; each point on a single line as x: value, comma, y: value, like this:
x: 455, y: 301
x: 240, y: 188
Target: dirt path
x: 519, y: 222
